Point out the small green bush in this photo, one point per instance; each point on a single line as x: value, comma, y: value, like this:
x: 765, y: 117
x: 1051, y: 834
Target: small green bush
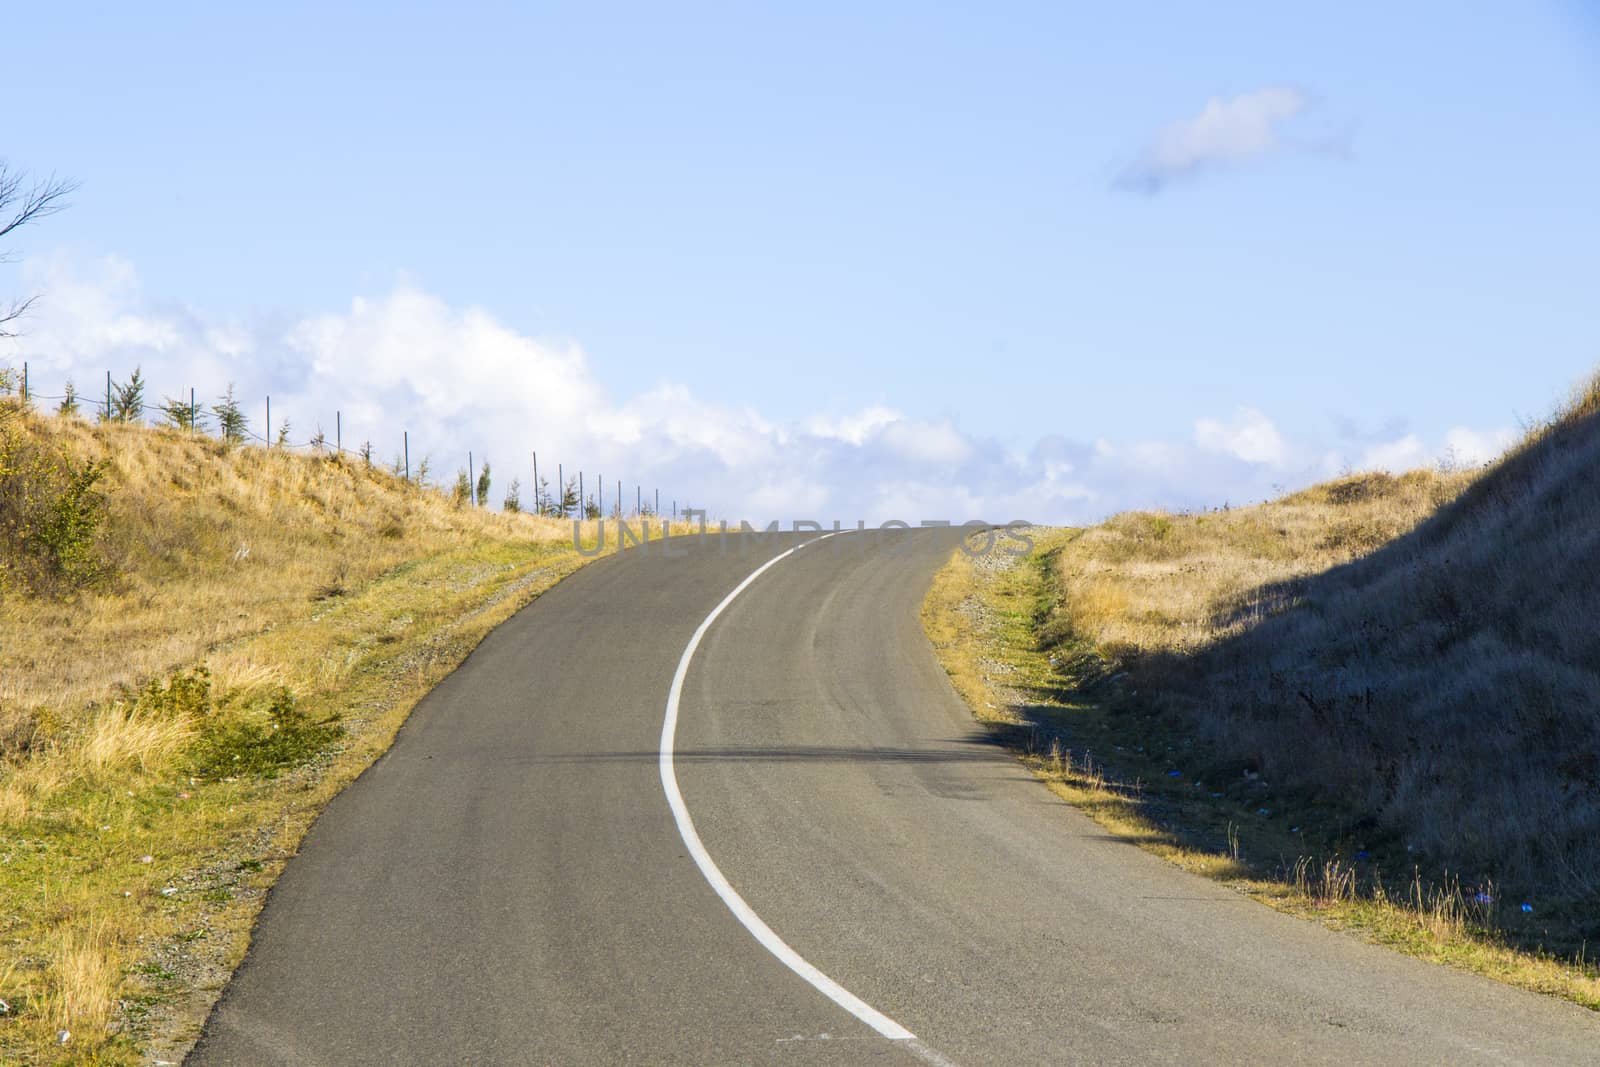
x: 52, y: 514
x: 231, y: 745
x: 186, y: 694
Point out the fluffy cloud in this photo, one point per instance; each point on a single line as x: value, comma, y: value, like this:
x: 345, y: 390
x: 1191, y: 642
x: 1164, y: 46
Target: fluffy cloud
x: 1473, y: 448
x: 457, y: 379
x: 1401, y: 454
x: 1251, y: 437
x: 1227, y: 131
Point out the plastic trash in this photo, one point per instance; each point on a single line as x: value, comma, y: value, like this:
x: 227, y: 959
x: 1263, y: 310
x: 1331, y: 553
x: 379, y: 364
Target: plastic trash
x: 1484, y: 898
x: 1527, y: 908
x: 1174, y: 774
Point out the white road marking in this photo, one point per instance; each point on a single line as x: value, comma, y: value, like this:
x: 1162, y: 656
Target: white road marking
x: 713, y: 874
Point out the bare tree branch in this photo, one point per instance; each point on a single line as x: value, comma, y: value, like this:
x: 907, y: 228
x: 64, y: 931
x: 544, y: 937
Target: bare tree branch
x: 18, y: 309
x: 24, y: 200
x: 27, y: 202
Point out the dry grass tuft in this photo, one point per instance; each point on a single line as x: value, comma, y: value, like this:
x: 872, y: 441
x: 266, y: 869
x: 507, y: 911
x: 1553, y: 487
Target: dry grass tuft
x: 120, y: 738
x: 84, y: 974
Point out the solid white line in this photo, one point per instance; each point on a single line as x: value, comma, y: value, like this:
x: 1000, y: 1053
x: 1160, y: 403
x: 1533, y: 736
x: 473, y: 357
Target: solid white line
x: 730, y: 896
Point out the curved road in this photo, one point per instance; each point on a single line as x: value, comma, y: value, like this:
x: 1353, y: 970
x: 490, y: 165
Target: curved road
x: 508, y: 884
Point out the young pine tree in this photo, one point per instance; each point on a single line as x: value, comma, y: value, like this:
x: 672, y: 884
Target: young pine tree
x: 513, y: 501
x: 69, y: 403
x: 180, y: 416
x: 231, y: 419
x: 127, y: 398
x: 483, y: 485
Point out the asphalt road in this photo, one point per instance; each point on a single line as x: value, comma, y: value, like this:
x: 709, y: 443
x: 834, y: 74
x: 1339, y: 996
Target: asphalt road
x: 509, y: 885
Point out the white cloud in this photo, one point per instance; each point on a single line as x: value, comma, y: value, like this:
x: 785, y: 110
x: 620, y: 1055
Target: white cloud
x: 1474, y: 448
x: 1395, y: 456
x: 1251, y: 437
x: 1461, y: 447
x: 852, y: 429
x: 458, y: 379
x: 1228, y: 130
x: 931, y: 443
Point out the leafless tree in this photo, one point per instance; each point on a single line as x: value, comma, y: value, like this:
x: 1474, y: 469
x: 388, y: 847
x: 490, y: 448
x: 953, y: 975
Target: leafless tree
x: 25, y: 199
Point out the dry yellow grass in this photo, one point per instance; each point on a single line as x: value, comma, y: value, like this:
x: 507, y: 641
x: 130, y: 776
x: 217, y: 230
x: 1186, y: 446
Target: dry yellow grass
x: 86, y: 974
x: 1392, y: 679
x: 214, y: 544
x: 1154, y: 581
x: 128, y: 882
x: 1415, y: 658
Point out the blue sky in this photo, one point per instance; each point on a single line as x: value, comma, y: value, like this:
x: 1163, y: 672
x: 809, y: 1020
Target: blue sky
x: 1041, y: 259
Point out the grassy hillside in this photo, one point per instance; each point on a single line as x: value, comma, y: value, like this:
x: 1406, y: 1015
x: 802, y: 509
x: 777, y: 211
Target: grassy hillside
x: 1442, y: 685
x: 199, y: 645
x: 1374, y: 701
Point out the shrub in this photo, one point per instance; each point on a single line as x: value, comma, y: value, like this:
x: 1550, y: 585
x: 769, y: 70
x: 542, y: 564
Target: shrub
x: 186, y: 694
x: 51, y: 514
x: 236, y: 745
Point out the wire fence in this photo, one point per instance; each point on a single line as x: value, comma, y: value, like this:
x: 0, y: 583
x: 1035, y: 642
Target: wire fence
x: 124, y: 403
